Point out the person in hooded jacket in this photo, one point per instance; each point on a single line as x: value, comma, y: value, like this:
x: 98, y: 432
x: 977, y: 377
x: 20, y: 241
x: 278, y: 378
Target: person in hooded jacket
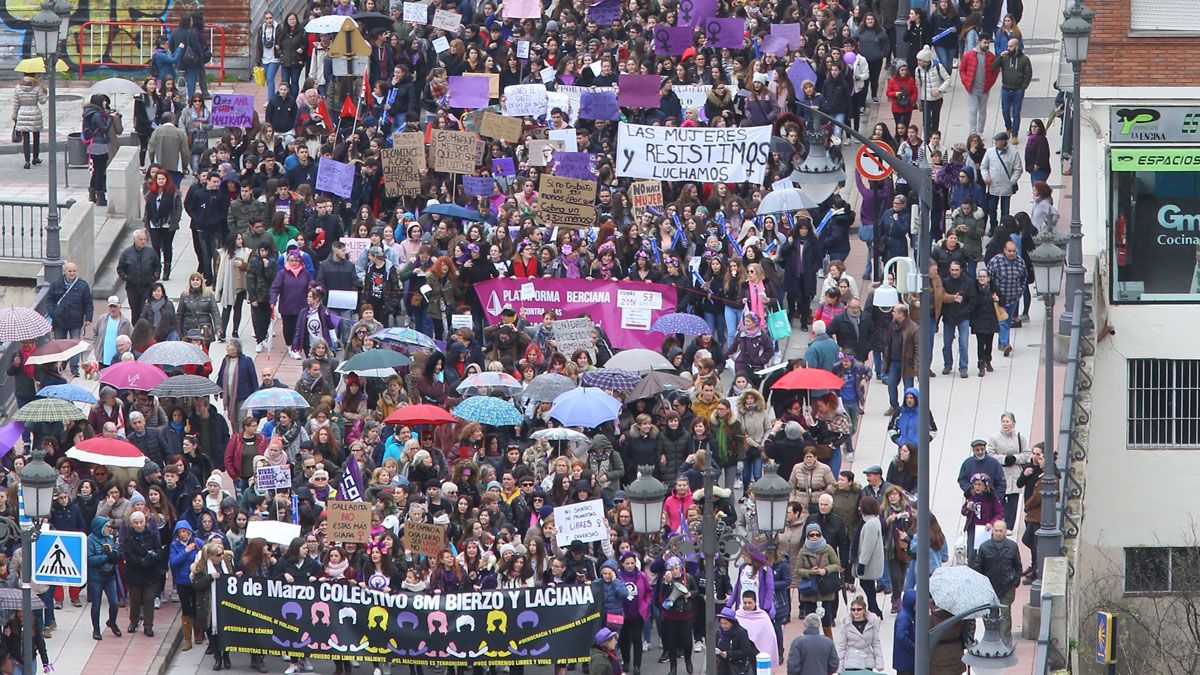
x: 735, y: 649
x: 103, y: 554
x: 904, y: 641
x: 904, y: 421
x: 183, y: 552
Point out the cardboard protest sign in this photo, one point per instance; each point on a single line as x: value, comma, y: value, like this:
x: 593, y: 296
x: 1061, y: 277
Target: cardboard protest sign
x: 788, y: 31
x: 604, y: 12
x: 416, y: 12
x: 572, y: 334
x: 504, y: 166
x: 480, y: 186
x: 672, y: 40
x: 599, y: 105
x: 525, y: 99
x: 447, y: 20
x: 644, y: 194
x: 584, y: 521
x: 725, y: 33
x: 581, y: 165
x: 707, y: 154
x: 348, y: 521
x: 424, y: 538
x: 693, y: 96
x: 541, y: 153
x: 468, y: 91
x: 567, y: 202
x: 522, y: 9
x: 232, y: 110
x: 693, y: 12
x: 403, y: 164
x: 800, y: 71
x: 336, y: 177
x: 455, y: 151
x: 639, y: 91
x: 502, y: 127
x: 774, y: 44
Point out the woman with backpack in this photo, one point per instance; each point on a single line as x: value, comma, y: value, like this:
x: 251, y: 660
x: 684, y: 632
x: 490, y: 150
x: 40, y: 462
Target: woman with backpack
x: 101, y: 126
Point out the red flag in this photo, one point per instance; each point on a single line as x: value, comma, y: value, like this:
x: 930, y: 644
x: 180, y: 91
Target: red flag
x: 324, y: 110
x: 428, y: 131
x: 349, y: 109
x: 366, y: 84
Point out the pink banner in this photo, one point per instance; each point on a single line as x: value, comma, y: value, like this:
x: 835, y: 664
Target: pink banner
x: 625, y: 309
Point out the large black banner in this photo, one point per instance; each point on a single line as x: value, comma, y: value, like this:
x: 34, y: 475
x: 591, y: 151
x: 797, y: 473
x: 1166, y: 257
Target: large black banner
x: 340, y: 620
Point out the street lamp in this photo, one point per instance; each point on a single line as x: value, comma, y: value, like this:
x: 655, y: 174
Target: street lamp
x: 770, y: 499
x: 49, y: 29
x: 820, y: 173
x: 991, y: 654
x: 37, y: 493
x: 646, y: 497
x: 1076, y: 31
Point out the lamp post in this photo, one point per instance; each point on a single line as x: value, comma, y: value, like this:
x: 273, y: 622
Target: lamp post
x: 990, y: 654
x: 646, y: 496
x: 37, y: 488
x: 1076, y: 31
x: 50, y: 29
x: 771, y: 494
x: 820, y: 173
x: 1047, y: 261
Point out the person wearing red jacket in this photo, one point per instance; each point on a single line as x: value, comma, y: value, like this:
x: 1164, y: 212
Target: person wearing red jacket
x: 978, y: 77
x: 902, y: 91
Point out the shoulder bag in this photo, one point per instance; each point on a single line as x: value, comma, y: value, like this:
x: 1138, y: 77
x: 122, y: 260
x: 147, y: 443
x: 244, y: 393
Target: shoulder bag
x: 1008, y: 174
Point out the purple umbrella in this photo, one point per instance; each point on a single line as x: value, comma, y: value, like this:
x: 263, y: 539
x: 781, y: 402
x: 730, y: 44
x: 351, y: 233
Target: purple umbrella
x: 9, y: 434
x: 678, y: 322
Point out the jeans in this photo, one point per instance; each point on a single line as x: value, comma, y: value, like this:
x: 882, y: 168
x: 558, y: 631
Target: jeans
x: 976, y: 112
x: 854, y: 411
x: 835, y: 459
x: 893, y: 380
x: 752, y: 468
x: 729, y: 475
x: 193, y: 79
x: 963, y: 328
x: 47, y: 599
x: 95, y: 589
x: 997, y: 203
x: 733, y: 317
x: 837, y: 133
x: 1006, y: 324
x: 1010, y: 109
x: 1035, y: 176
x: 272, y: 71
x: 946, y: 56
x: 717, y: 321
x: 291, y: 75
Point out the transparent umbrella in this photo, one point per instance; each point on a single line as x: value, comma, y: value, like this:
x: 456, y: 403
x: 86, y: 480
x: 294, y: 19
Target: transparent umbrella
x: 959, y: 588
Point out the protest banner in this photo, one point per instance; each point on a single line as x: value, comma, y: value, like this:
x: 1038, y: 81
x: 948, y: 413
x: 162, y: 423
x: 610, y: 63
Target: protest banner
x: 583, y: 521
x: 599, y: 105
x: 604, y: 12
x: 725, y: 33
x: 725, y: 155
x: 672, y: 40
x: 573, y: 297
x: 403, y: 163
x: 639, y: 91
x: 416, y: 12
x: 643, y: 194
x: 336, y: 177
x: 455, y: 151
x: 480, y: 186
x: 581, y: 165
x: 499, y: 126
x: 424, y: 538
x: 273, y: 477
x: 567, y: 202
x: 522, y: 9
x: 232, y: 110
x: 525, y: 99
x: 572, y: 334
x: 447, y: 20
x: 355, y: 246
x: 504, y: 166
x: 323, y: 620
x: 541, y: 153
x: 468, y: 91
x: 348, y: 521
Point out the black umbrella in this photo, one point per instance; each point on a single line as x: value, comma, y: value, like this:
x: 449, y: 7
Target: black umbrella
x: 185, y: 385
x: 370, y: 21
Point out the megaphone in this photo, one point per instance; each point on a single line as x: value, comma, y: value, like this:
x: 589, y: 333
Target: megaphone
x: 678, y: 589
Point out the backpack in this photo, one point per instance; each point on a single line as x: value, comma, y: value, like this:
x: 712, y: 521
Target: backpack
x: 89, y: 127
x: 152, y: 66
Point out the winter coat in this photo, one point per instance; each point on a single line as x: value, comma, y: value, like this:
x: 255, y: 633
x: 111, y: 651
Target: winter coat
x: 143, y: 555
x: 1003, y: 169
x: 967, y: 65
x: 202, y: 583
x: 260, y: 276
x: 291, y: 290
x: 740, y: 650
x: 70, y: 304
x: 27, y: 102
x: 675, y: 449
x: 756, y: 423
x: 753, y: 351
x: 856, y: 340
x: 806, y: 560
x: 957, y: 312
x: 99, y: 331
x: 811, y: 256
x: 103, y: 128
x: 904, y: 642
x: 897, y: 84
x: 138, y: 267
x: 861, y: 651
x: 874, y: 44
x: 812, y: 654
x: 169, y: 146
x: 641, y: 449
x: 102, y: 561
x: 1015, y: 445
x: 197, y: 309
x: 835, y: 238
x: 242, y: 211
x: 180, y: 559
x: 808, y: 484
x: 983, y: 311
x: 909, y: 356
x: 982, y: 508
x: 971, y: 228
x: 822, y: 352
x: 1000, y: 562
x: 150, y: 442
x: 163, y: 214
x: 735, y: 443
x: 1016, y: 71
x: 871, y: 555
x: 67, y: 518
x: 892, y: 234
x: 933, y: 82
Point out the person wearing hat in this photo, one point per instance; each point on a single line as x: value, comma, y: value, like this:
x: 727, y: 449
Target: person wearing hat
x: 980, y: 462
x: 933, y: 83
x: 605, y: 660
x: 1001, y: 170
x: 677, y: 610
x: 735, y: 650
x: 183, y: 551
x: 818, y: 570
x: 106, y: 329
x: 812, y: 653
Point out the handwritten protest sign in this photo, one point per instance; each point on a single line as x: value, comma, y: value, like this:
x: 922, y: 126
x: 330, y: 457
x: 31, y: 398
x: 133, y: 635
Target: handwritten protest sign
x: 447, y: 20
x: 349, y: 521
x: 604, y: 12
x: 522, y: 9
x: 336, y: 177
x: 424, y: 538
x: 480, y: 186
x: 581, y: 165
x: 572, y: 334
x: 504, y: 166
x: 708, y: 154
x: 403, y: 164
x: 441, y: 44
x: 416, y: 12
x: 273, y: 477
x: 693, y: 96
x: 584, y: 521
x: 599, y: 105
x: 355, y: 246
x: 525, y: 99
x: 232, y: 110
x: 455, y: 151
x: 502, y: 127
x: 468, y: 91
x: 567, y: 202
x: 567, y: 136
x: 644, y: 194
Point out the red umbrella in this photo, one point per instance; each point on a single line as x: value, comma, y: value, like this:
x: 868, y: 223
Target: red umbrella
x: 422, y: 413
x: 53, y: 351
x: 109, y: 451
x: 809, y: 378
x: 137, y: 375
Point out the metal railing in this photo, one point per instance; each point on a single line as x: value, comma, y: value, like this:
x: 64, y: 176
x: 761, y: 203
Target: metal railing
x: 23, y: 228
x: 130, y: 44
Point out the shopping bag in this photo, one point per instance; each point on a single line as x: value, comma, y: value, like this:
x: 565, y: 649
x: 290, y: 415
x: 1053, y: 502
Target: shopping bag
x: 779, y: 324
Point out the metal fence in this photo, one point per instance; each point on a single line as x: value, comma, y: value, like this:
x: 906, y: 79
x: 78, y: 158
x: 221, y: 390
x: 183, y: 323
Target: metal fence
x: 130, y: 44
x: 23, y: 228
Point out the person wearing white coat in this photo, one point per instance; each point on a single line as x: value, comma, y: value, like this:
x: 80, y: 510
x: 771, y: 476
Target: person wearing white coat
x: 933, y: 83
x: 858, y: 644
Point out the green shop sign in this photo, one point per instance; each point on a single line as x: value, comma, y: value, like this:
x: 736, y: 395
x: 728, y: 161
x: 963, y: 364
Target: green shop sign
x: 1155, y: 159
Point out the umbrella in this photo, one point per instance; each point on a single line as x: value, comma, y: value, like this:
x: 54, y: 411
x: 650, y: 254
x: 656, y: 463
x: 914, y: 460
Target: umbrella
x: 37, y: 66
x: 611, y: 378
x: 548, y: 386
x: 53, y: 351
x: 786, y: 200
x: 585, y: 407
x: 185, y: 385
x: 48, y: 410
x: 422, y: 413
x: 174, y: 353
x: 274, y: 398
x: 375, y: 363
x: 21, y: 323
x: 559, y: 434
x: 69, y: 392
x: 495, y: 412
x: 326, y: 24
x: 115, y: 85
x: 808, y: 378
x: 108, y: 451
x: 637, y: 360
x: 274, y: 531
x: 9, y: 435
x: 679, y: 322
x: 12, y: 599
x: 370, y: 21
x: 406, y: 336
x: 958, y: 588
x: 484, y: 384
x: 656, y: 383
x: 454, y: 211
x: 136, y: 375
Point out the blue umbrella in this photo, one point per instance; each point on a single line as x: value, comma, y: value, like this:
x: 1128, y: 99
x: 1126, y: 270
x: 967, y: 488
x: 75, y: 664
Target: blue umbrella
x: 495, y: 412
x: 611, y: 378
x: 455, y: 211
x: 69, y: 392
x: 678, y: 322
x: 274, y: 398
x: 406, y: 336
x: 587, y: 407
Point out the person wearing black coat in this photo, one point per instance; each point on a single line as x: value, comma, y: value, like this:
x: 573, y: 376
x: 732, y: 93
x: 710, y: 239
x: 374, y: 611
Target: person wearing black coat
x: 984, y: 324
x: 208, y: 207
x: 853, y: 330
x: 69, y: 304
x: 801, y: 257
x: 138, y: 268
x: 835, y: 236
x: 735, y: 650
x: 786, y: 446
x: 142, y: 552
x: 958, y: 298
x: 148, y: 439
x: 281, y: 110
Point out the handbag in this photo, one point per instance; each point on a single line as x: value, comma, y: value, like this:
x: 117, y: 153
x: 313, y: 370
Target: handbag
x: 779, y: 324
x: 1001, y: 313
x: 866, y: 232
x: 16, y: 135
x: 260, y: 76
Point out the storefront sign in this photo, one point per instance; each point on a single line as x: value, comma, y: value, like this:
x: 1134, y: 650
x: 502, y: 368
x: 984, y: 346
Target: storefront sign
x: 1155, y: 159
x: 1155, y: 124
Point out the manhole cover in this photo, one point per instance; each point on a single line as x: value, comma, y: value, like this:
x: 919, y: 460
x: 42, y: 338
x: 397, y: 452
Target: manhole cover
x: 68, y: 97
x: 1040, y: 41
x: 1033, y: 51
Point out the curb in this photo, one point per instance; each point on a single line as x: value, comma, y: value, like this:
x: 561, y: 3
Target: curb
x: 169, y: 649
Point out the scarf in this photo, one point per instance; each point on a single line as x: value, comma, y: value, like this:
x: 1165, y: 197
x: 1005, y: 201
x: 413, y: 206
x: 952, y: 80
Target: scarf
x: 212, y: 610
x: 815, y: 545
x: 337, y: 571
x: 230, y: 386
x: 294, y: 265
x: 756, y: 304
x: 761, y: 630
x: 722, y: 440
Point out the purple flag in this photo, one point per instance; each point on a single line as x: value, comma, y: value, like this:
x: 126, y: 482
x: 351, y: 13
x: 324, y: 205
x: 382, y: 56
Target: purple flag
x: 599, y: 105
x: 468, y: 91
x: 604, y: 12
x: 581, y: 165
x: 480, y: 186
x: 693, y: 12
x: 725, y: 33
x: 672, y: 41
x: 504, y: 166
x: 789, y: 32
x: 799, y: 72
x: 639, y: 91
x: 350, y: 486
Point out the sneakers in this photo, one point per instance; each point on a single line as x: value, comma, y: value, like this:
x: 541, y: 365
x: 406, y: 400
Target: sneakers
x: 76, y: 602
x: 645, y: 645
x: 58, y: 604
x: 157, y: 603
x: 258, y: 348
x: 698, y: 646
x: 946, y: 370
x: 174, y: 597
x: 1007, y: 350
x: 295, y: 354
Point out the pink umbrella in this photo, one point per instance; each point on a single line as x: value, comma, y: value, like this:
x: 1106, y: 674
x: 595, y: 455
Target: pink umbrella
x: 136, y: 375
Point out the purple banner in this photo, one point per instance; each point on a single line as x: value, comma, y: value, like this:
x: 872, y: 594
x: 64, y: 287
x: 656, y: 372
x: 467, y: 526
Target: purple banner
x: 468, y: 91
x: 581, y: 165
x: 693, y: 12
x: 799, y: 72
x: 480, y: 186
x: 638, y: 91
x: 598, y: 105
x: 504, y: 166
x: 789, y: 32
x: 350, y: 487
x: 604, y: 12
x: 624, y: 309
x: 232, y: 110
x: 725, y: 33
x: 672, y: 41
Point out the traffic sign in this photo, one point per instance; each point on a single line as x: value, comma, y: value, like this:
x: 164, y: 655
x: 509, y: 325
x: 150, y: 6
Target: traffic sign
x: 60, y: 558
x: 870, y: 166
x: 1106, y: 639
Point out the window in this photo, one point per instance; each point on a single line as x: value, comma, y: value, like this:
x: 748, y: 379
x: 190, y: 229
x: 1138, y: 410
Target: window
x: 1160, y: 15
x: 1163, y: 403
x: 1162, y: 569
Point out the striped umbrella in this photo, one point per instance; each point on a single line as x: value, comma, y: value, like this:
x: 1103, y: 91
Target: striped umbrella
x: 495, y: 412
x: 69, y: 392
x: 21, y: 323
x: 679, y: 322
x: 48, y: 410
x: 614, y: 379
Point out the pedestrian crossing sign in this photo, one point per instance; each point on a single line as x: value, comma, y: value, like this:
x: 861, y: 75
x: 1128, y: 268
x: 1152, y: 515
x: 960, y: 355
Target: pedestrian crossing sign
x: 60, y: 558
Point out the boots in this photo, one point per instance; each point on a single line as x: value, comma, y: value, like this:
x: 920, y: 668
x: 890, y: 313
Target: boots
x: 197, y: 633
x: 91, y: 195
x: 687, y: 662
x: 101, y: 198
x: 166, y: 273
x: 216, y: 652
x: 672, y: 670
x: 187, y: 633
